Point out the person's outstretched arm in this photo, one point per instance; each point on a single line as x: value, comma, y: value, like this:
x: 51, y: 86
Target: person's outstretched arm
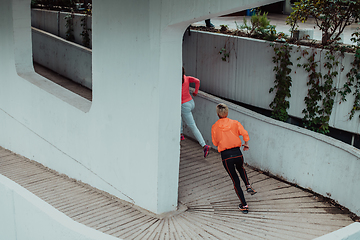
x: 246, y: 146
x: 242, y: 132
x: 213, y: 136
x: 197, y: 84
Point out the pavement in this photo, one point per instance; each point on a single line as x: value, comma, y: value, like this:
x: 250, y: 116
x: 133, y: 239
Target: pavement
x: 279, y: 20
x: 208, y: 205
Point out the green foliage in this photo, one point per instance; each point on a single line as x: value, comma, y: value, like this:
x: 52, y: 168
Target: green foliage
x: 224, y: 28
x: 282, y: 70
x: 260, y: 27
x: 321, y: 93
x: 228, y: 47
x: 331, y: 16
x: 70, y: 27
x: 353, y: 77
x: 225, y: 54
x: 34, y: 3
x: 85, y: 33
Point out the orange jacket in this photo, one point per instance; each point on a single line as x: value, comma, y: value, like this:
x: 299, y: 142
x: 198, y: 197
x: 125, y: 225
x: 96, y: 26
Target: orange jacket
x: 225, y: 134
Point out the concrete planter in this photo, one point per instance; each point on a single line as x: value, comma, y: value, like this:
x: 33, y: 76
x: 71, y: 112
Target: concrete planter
x: 302, y: 34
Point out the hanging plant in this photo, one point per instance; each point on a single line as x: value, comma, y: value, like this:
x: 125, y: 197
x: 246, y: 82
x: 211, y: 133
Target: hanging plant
x: 321, y: 93
x: 85, y: 32
x: 311, y: 111
x: 70, y: 27
x: 353, y: 77
x: 228, y: 47
x: 282, y: 70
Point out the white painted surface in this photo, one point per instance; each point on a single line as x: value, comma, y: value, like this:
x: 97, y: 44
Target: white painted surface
x: 288, y: 7
x: 351, y: 232
x: 46, y: 20
x: 248, y: 74
x: 305, y: 34
x: 127, y: 143
x: 308, y: 159
x: 24, y: 216
x: 63, y: 57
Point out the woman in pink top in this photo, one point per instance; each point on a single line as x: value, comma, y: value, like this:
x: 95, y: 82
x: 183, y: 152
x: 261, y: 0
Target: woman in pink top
x: 187, y: 105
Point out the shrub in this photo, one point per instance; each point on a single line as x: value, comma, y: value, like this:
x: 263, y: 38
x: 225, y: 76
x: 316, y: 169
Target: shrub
x: 331, y: 16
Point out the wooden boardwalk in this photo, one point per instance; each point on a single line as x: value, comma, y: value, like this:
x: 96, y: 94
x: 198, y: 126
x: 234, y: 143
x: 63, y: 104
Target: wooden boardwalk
x: 208, y: 203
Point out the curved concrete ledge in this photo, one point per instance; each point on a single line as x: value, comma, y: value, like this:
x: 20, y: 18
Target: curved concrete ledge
x: 311, y: 160
x: 351, y: 232
x: 24, y: 216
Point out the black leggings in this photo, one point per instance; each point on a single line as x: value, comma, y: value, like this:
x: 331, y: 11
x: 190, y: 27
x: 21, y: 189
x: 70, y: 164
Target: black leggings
x: 233, y: 159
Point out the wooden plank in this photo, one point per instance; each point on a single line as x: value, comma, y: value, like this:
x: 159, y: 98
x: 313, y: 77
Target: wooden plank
x: 277, y: 211
x: 84, y: 207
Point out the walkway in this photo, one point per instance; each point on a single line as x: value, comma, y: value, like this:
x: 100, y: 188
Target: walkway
x: 208, y: 204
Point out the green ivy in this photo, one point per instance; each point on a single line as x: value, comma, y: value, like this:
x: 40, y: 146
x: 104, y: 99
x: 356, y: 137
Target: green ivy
x: 70, y: 27
x: 353, y: 77
x: 227, y: 48
x: 319, y: 101
x: 85, y: 33
x: 225, y: 54
x: 282, y: 70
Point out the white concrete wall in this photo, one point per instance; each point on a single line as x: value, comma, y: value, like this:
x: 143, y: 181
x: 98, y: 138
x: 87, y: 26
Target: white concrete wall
x: 311, y: 160
x: 46, y: 20
x: 248, y: 74
x: 288, y: 7
x: 54, y: 22
x: 351, y: 232
x: 126, y: 142
x: 68, y: 59
x: 24, y: 216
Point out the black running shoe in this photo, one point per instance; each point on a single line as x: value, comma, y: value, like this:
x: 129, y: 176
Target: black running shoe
x: 244, y: 209
x: 250, y: 190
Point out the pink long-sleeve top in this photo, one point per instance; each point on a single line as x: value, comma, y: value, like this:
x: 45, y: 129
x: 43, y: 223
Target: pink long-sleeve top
x: 185, y: 94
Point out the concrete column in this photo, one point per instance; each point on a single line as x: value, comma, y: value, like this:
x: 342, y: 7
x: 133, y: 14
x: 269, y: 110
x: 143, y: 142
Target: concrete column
x: 126, y: 142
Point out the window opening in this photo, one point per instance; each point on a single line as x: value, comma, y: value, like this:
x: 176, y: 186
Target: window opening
x: 62, y: 43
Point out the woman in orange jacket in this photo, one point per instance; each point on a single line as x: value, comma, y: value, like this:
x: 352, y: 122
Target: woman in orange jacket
x: 225, y: 134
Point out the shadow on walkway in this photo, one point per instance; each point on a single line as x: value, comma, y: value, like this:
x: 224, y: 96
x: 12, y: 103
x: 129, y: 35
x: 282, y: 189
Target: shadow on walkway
x: 208, y: 203
x: 63, y: 81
